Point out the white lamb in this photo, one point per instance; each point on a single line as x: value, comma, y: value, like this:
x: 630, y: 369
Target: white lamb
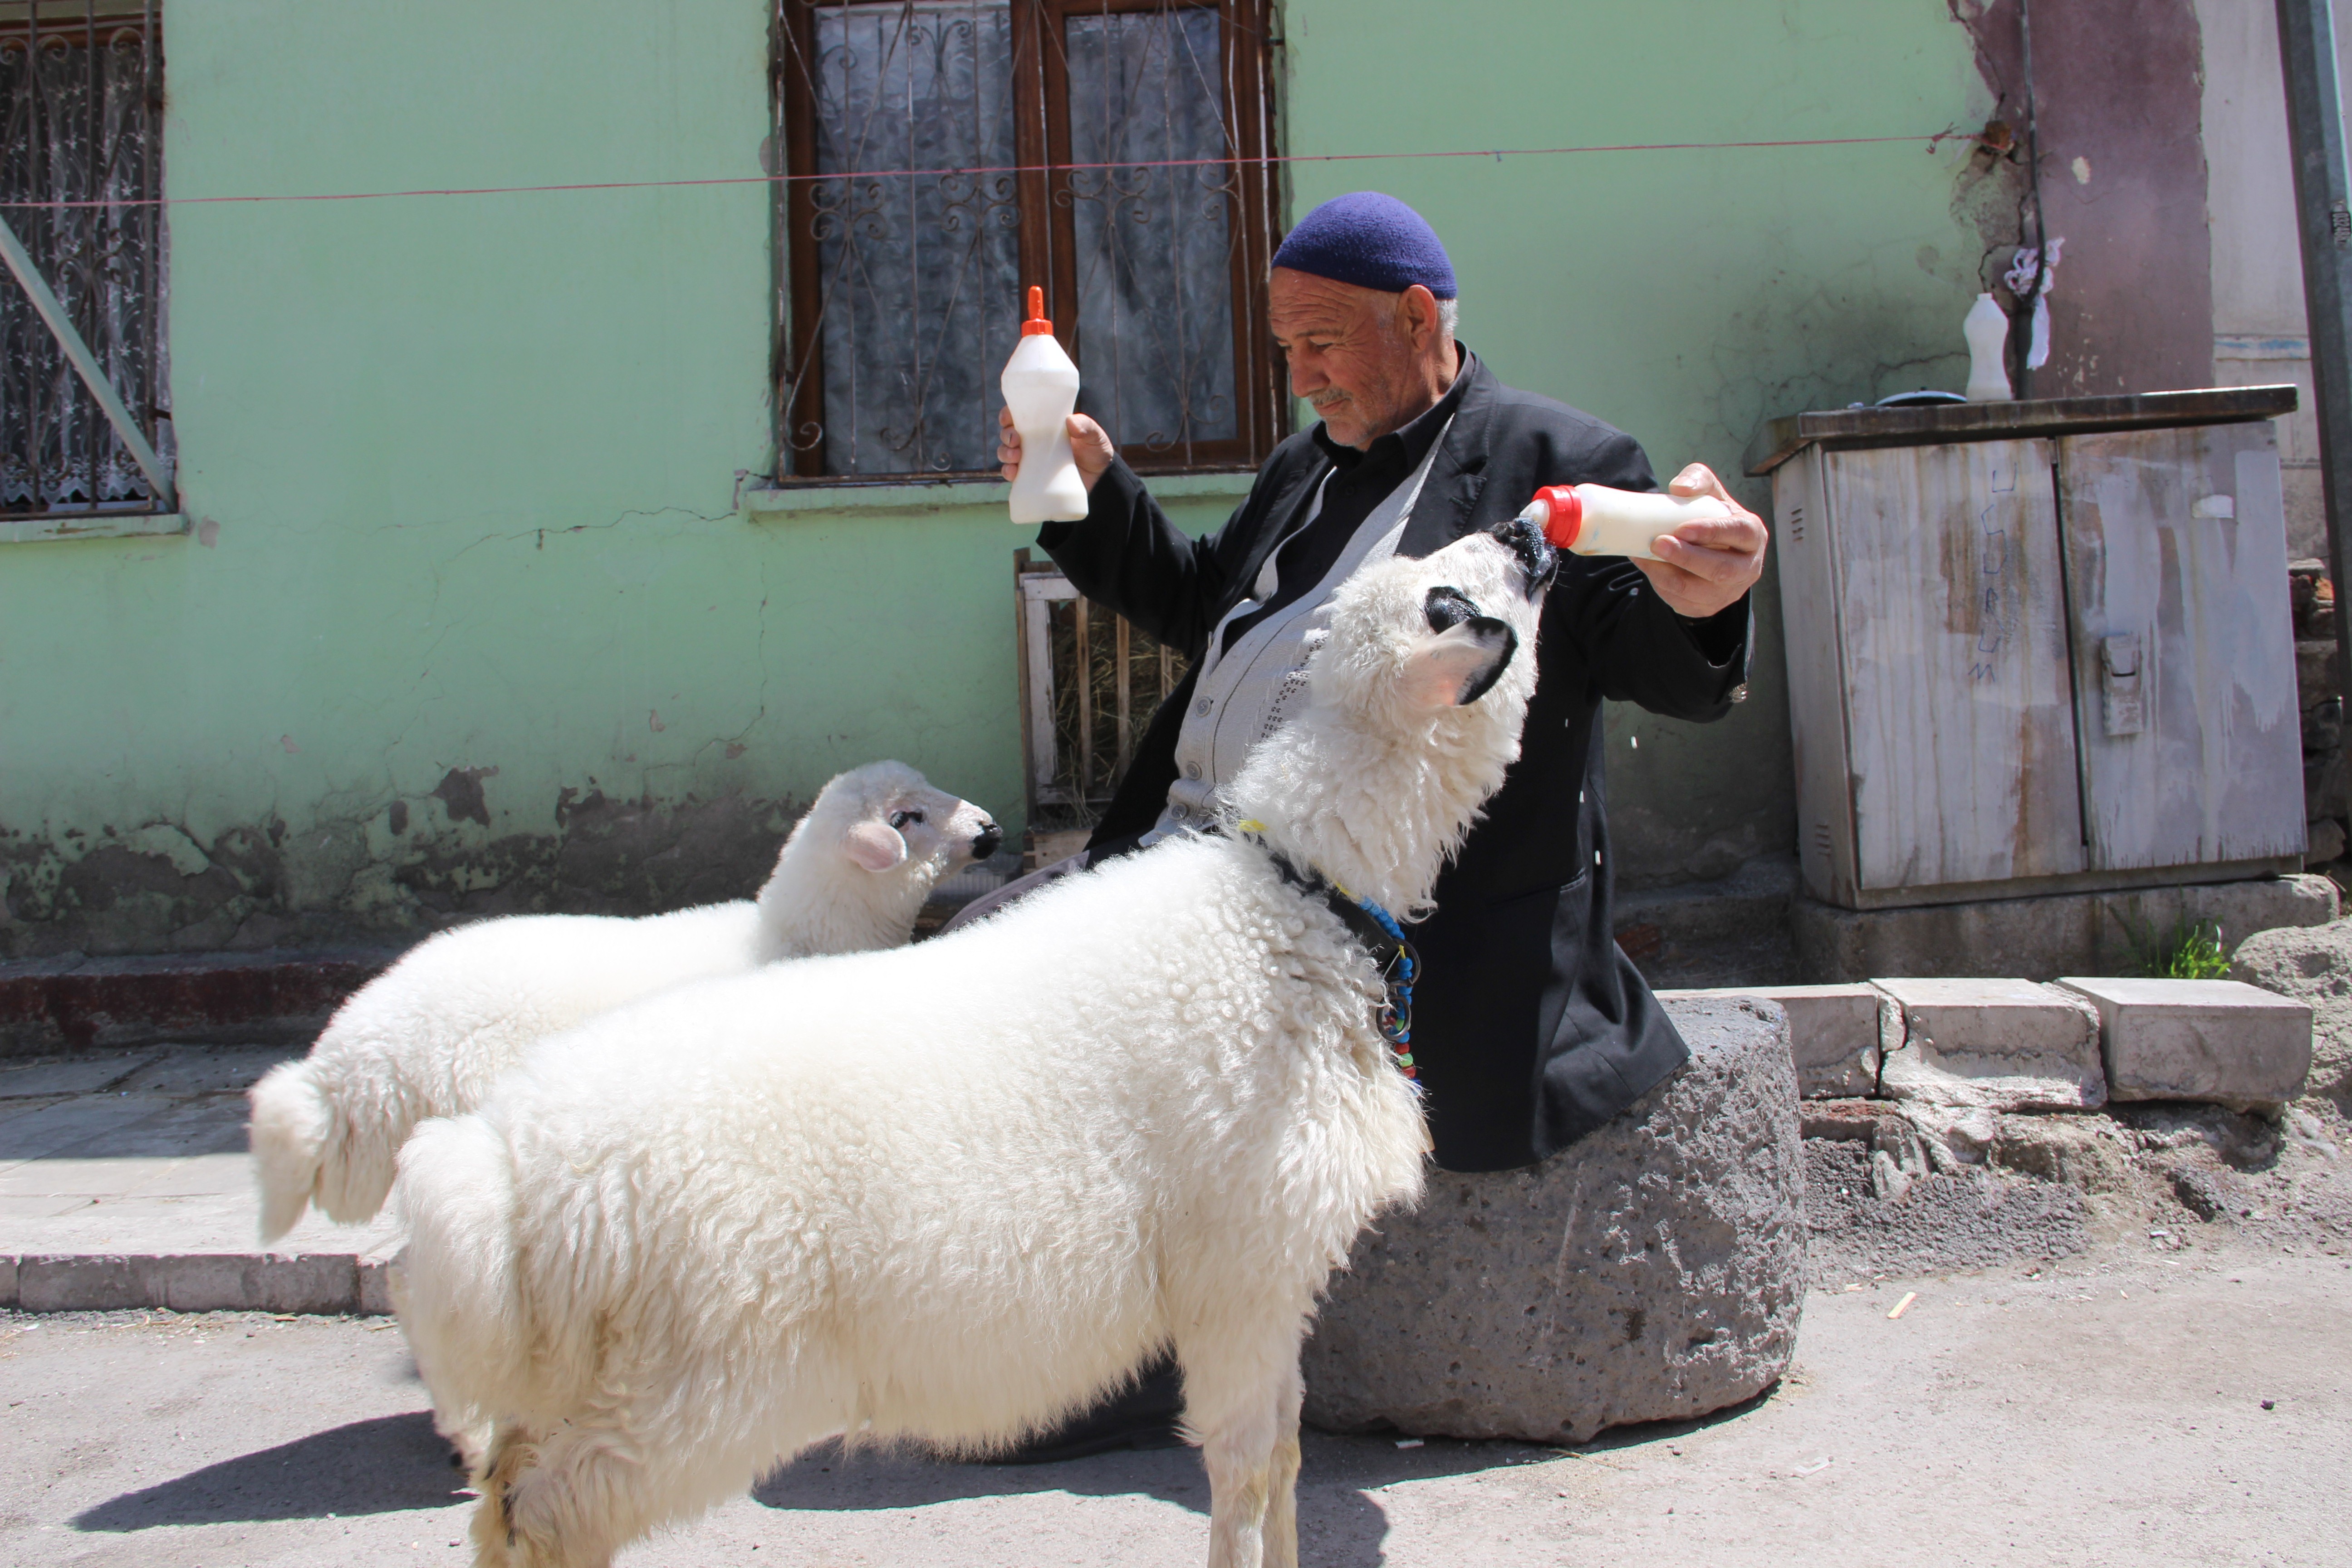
x: 429, y: 1036
x: 953, y: 1192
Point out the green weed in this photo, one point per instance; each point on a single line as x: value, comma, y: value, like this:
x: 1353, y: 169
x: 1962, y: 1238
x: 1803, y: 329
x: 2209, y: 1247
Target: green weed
x: 2190, y: 950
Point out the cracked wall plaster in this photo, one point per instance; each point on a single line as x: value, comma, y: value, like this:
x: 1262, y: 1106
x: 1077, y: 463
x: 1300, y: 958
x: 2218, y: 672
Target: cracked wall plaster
x: 153, y: 889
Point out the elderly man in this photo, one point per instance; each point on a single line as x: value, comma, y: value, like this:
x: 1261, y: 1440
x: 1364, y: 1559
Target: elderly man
x: 1530, y: 1028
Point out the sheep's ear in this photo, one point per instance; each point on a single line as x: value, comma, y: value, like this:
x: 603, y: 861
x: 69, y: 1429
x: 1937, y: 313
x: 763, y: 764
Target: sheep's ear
x: 1456, y: 666
x: 874, y: 846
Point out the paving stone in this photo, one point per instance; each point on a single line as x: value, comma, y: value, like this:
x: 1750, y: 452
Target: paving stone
x: 375, y: 1287
x: 83, y: 1282
x: 68, y: 1124
x: 259, y: 1282
x: 2001, y: 1045
x: 74, y: 1075
x: 1651, y: 1271
x: 251, y: 1282
x: 66, y: 1178
x: 1834, y: 1032
x: 209, y: 1069
x: 2217, y: 1040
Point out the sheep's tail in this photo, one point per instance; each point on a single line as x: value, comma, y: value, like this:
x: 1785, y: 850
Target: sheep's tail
x: 291, y: 1125
x: 456, y: 1286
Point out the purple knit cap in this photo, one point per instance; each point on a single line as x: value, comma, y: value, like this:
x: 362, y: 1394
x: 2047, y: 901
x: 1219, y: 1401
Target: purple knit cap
x: 1371, y: 240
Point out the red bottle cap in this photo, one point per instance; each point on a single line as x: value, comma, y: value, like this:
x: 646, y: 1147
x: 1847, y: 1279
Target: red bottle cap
x: 1036, y: 326
x: 1564, y: 518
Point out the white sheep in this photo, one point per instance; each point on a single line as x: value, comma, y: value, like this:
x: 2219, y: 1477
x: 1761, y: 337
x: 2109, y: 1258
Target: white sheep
x: 429, y: 1036
x: 952, y: 1194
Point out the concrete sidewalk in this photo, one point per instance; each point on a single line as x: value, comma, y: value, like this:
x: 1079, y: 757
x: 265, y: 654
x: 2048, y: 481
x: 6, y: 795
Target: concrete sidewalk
x: 2121, y: 1409
x: 124, y: 1183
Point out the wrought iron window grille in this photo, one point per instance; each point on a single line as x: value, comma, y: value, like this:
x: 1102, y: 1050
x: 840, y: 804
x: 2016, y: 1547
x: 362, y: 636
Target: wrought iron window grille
x: 1090, y: 682
x: 81, y: 100
x: 946, y: 153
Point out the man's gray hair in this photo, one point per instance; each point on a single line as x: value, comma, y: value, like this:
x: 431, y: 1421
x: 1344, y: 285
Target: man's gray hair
x: 1449, y: 316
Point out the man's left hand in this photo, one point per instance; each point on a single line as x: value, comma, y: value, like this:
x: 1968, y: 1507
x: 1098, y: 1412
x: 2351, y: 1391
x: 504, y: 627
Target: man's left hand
x: 1704, y: 567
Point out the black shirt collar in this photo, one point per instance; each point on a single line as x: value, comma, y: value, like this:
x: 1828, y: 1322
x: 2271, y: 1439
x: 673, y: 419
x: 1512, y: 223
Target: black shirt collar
x: 1403, y: 449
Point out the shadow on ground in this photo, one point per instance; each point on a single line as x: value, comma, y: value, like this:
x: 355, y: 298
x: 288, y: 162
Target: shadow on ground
x: 384, y: 1466
x: 1341, y: 1524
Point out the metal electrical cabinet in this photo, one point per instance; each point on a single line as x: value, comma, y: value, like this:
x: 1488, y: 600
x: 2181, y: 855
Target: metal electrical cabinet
x: 2037, y: 647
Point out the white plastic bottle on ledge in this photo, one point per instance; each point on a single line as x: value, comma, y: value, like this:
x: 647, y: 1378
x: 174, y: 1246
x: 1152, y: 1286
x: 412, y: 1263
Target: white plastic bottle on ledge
x: 1041, y: 388
x: 1593, y: 519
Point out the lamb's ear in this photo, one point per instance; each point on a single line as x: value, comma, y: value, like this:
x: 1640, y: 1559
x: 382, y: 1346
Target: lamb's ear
x: 874, y: 846
x: 1456, y: 666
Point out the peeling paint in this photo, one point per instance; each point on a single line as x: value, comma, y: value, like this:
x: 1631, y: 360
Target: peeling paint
x: 460, y: 793
x: 156, y: 889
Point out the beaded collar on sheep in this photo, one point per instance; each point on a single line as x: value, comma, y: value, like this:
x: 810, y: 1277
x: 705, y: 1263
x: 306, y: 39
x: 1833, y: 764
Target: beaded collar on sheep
x: 1376, y: 782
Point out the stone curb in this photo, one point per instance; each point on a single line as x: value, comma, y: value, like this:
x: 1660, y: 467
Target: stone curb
x: 75, y: 1003
x: 333, y: 1283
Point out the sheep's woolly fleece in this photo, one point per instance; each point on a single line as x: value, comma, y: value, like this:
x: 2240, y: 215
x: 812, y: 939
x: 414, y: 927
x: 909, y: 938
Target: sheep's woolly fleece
x: 953, y: 1191
x: 430, y: 1036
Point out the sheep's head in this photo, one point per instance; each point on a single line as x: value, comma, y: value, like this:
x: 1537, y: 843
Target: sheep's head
x: 1417, y: 644
x: 1418, y: 692
x: 885, y: 820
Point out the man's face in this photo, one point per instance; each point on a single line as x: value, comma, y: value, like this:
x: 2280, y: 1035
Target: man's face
x: 1350, y: 354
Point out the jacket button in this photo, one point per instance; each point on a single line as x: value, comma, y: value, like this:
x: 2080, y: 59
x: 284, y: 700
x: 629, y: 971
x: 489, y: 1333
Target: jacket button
x: 1202, y: 707
x: 1192, y: 770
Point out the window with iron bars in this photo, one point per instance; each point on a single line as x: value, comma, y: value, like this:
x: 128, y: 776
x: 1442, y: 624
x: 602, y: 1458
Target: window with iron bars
x: 81, y: 176
x: 945, y: 153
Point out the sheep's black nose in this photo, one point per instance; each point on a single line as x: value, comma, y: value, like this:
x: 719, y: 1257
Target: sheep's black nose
x: 986, y: 841
x: 1537, y: 559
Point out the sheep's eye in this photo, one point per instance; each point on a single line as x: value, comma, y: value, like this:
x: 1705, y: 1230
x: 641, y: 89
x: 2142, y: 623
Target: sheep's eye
x: 899, y: 819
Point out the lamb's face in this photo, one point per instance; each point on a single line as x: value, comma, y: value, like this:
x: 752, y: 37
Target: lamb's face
x: 1445, y: 642
x: 888, y: 820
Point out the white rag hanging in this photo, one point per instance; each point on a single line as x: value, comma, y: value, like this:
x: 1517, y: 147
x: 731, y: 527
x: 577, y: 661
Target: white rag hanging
x: 2019, y: 279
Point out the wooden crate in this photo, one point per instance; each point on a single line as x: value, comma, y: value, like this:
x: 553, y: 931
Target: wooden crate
x: 2041, y: 663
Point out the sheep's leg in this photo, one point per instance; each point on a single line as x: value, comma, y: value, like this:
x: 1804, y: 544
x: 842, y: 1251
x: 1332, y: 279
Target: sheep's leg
x: 1282, y: 1480
x: 1244, y: 1408
x: 567, y: 1502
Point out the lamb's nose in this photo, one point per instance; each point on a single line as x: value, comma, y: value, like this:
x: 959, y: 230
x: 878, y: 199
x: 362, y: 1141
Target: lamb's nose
x: 1537, y: 559
x: 985, y: 842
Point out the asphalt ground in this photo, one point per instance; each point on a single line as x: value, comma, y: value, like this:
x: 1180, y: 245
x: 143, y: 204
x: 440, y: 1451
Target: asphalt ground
x: 2125, y: 1405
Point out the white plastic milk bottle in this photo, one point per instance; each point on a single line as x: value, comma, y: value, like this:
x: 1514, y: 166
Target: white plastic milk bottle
x: 1593, y: 519
x: 1041, y: 388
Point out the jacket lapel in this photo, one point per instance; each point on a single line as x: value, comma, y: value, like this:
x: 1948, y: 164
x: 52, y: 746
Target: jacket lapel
x: 1448, y: 497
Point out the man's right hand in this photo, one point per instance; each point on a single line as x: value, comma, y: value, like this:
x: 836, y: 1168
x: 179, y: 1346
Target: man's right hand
x: 1089, y: 444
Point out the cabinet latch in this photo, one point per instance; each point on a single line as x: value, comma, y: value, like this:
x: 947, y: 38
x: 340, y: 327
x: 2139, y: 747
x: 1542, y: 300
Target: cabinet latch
x: 2119, y: 695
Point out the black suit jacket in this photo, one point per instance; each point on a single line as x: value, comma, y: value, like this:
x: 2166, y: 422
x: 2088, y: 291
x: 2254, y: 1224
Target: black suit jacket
x: 1530, y: 1028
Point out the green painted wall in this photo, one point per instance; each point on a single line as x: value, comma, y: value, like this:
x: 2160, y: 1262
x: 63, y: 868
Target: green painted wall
x: 464, y: 468
x: 1682, y: 296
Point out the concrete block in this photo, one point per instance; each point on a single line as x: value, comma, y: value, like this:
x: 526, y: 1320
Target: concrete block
x: 375, y: 1287
x: 2002, y: 1044
x: 83, y: 1282
x: 2043, y: 937
x: 188, y: 1282
x: 324, y: 1282
x: 1834, y: 1032
x: 7, y: 1281
x: 2217, y: 1040
x: 1655, y: 1271
x: 76, y: 1003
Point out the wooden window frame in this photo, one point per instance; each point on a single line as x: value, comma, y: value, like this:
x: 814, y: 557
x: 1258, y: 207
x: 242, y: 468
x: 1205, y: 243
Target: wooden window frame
x: 1048, y: 229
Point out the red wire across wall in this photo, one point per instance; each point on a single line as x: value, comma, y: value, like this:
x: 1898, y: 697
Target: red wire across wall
x: 1497, y: 153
